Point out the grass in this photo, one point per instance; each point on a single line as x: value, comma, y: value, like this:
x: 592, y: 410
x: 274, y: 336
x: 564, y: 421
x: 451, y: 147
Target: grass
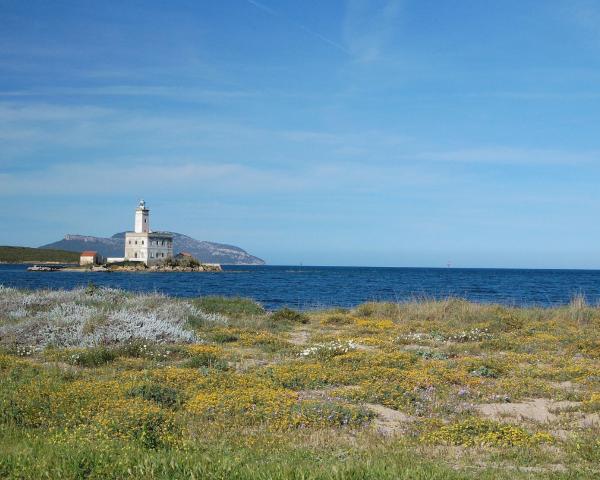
x: 234, y: 307
x: 36, y: 255
x: 219, y: 388
x: 220, y: 461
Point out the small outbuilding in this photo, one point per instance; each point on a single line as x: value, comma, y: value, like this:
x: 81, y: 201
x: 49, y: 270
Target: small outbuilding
x: 182, y: 255
x: 89, y: 258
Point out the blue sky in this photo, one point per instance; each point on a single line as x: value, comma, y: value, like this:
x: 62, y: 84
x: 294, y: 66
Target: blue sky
x: 384, y: 132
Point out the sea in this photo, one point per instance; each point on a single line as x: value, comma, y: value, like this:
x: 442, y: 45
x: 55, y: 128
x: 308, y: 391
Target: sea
x: 322, y: 287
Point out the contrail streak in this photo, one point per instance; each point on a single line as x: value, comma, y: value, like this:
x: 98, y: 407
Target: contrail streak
x: 302, y: 27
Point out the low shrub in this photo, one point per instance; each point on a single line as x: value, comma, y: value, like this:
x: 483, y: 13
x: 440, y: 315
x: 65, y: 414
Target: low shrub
x: 378, y: 310
x: 164, y: 396
x: 91, y: 288
x: 337, y: 319
x: 478, y: 432
x: 185, y: 262
x: 432, y: 355
x: 234, y: 307
x: 288, y: 315
x: 205, y: 356
x: 92, y: 357
x: 329, y: 349
x: 315, y: 413
x: 484, y: 371
x: 224, y: 337
x: 206, y: 361
x: 138, y: 420
x: 138, y: 348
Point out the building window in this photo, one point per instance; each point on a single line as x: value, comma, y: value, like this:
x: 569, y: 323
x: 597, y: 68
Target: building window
x: 142, y: 242
x: 136, y: 242
x: 151, y: 255
x: 129, y: 242
x: 135, y: 255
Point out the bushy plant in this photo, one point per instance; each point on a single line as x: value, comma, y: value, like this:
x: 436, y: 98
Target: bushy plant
x: 288, y: 315
x: 165, y: 396
x: 233, y: 307
x: 188, y: 262
x: 337, y: 319
x: 205, y: 356
x: 432, y: 354
x: 140, y: 421
x: 91, y: 288
x: 70, y: 318
x: 224, y: 337
x: 329, y: 349
x: 92, y: 357
x: 378, y: 310
x: 139, y: 348
x: 474, y: 432
x: 319, y: 413
x: 484, y: 371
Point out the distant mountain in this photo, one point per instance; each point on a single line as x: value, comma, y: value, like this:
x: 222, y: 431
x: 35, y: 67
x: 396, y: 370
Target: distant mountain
x: 114, y: 246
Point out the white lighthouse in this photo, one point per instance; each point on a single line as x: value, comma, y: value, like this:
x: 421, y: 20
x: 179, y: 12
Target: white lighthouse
x: 142, y: 218
x: 143, y: 245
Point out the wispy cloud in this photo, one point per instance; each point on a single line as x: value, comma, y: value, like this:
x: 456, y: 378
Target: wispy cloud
x: 586, y: 13
x: 262, y: 7
x: 173, y: 175
x: 368, y: 26
x: 41, y: 112
x: 163, y: 91
x: 299, y: 25
x: 512, y: 156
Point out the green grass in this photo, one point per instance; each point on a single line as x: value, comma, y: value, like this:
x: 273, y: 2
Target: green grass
x: 35, y: 255
x: 305, y: 395
x: 234, y: 307
x: 30, y: 457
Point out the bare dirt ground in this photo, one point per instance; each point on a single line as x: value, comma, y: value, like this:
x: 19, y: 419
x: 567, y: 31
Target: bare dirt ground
x: 389, y: 422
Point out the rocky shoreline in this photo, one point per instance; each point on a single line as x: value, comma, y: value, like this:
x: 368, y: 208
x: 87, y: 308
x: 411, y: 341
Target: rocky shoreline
x: 205, y: 267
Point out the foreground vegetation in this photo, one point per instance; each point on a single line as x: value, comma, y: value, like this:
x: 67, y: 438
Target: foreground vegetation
x: 99, y: 383
x: 36, y: 255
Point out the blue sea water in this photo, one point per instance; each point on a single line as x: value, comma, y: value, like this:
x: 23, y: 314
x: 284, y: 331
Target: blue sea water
x: 312, y: 287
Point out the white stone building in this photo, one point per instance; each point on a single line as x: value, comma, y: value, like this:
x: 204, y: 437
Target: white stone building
x: 144, y: 245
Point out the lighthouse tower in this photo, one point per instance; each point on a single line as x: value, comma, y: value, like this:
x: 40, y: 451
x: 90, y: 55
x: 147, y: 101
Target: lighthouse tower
x: 143, y: 245
x: 142, y: 218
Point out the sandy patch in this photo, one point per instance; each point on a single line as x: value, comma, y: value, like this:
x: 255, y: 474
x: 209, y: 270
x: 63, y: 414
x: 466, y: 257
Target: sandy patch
x: 538, y: 410
x: 299, y: 337
x: 366, y: 348
x: 388, y: 422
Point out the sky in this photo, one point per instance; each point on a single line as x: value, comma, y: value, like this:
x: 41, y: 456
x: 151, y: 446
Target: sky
x: 380, y: 133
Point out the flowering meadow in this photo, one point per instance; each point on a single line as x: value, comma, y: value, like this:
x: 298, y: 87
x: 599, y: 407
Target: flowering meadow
x: 100, y: 383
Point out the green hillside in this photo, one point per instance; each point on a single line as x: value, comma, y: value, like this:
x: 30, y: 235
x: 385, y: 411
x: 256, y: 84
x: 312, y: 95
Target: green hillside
x: 34, y: 255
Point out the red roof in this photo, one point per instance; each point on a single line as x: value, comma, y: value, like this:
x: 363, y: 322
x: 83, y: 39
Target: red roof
x: 89, y: 253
